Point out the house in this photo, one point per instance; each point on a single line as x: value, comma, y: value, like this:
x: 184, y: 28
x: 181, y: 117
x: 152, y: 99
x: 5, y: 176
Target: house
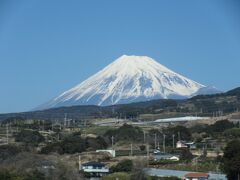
x: 181, y: 144
x: 191, y: 145
x: 163, y: 156
x: 156, y: 151
x: 196, y: 176
x: 94, y: 169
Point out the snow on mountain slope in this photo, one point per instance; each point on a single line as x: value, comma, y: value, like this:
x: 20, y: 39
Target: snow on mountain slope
x: 128, y: 79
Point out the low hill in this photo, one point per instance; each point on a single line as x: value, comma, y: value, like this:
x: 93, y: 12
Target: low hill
x: 205, y: 105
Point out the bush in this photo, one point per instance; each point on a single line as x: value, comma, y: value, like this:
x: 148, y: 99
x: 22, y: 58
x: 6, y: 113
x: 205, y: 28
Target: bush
x: 9, y: 175
x: 74, y: 143
x: 123, y: 166
x: 7, y: 151
x: 29, y: 137
x: 142, y: 147
x: 71, y: 144
x: 125, y: 133
x: 186, y: 155
x: 118, y: 175
x: 54, y: 147
x: 234, y: 132
x: 35, y: 175
x: 220, y: 126
x: 96, y: 143
x: 231, y: 160
x: 184, y: 133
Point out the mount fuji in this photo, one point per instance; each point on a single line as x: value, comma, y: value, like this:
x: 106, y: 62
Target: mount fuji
x: 130, y: 79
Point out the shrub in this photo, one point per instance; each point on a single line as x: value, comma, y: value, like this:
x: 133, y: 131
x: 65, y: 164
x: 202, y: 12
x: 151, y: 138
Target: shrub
x: 125, y: 133
x: 74, y: 143
x: 96, y: 143
x: 7, y: 151
x: 234, y: 132
x: 123, y: 166
x: 29, y: 137
x: 117, y: 175
x: 231, y: 160
x: 142, y: 147
x: 186, y: 155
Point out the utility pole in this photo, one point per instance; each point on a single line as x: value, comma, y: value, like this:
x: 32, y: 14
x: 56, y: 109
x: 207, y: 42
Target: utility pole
x: 112, y: 138
x: 79, y: 163
x: 179, y: 136
x: 39, y: 125
x: 65, y: 120
x: 148, y: 151
x: 131, y: 149
x: 173, y: 136
x: 164, y: 150
x: 113, y: 110
x: 155, y: 141
x: 7, y: 132
x: 10, y: 127
x: 144, y: 136
x: 147, y: 148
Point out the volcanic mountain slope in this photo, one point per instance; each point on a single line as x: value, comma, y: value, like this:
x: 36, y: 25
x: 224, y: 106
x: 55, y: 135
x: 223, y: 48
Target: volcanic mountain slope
x: 129, y: 79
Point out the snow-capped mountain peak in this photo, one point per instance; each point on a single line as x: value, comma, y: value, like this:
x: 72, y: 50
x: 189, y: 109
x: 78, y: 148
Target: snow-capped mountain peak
x: 128, y: 79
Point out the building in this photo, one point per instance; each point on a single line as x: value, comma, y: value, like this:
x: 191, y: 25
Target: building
x: 191, y: 145
x: 183, y: 144
x: 94, y: 169
x: 163, y: 156
x: 157, y: 172
x: 196, y: 176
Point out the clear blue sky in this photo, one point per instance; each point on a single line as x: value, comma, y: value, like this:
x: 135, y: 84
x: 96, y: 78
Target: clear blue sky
x: 47, y: 47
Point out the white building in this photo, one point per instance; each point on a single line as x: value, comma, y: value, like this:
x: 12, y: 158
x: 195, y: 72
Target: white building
x: 163, y: 156
x: 181, y: 144
x: 95, y: 169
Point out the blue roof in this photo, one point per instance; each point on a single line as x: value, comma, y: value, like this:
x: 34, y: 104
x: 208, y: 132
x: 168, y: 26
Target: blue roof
x: 94, y: 163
